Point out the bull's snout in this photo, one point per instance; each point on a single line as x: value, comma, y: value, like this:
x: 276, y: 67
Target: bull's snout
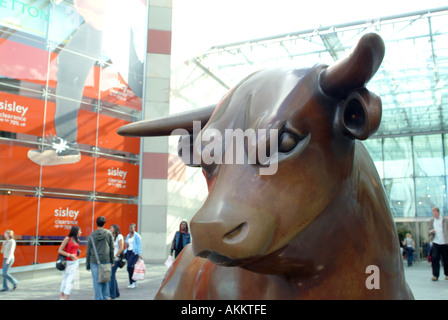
x: 228, y: 233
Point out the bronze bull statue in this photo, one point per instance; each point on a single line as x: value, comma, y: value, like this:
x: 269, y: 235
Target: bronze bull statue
x: 321, y: 226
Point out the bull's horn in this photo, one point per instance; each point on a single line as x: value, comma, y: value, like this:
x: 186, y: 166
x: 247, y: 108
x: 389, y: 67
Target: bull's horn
x: 165, y: 126
x: 356, y: 70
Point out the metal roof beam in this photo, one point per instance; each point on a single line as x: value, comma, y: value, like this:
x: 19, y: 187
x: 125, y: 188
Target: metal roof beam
x: 333, y: 45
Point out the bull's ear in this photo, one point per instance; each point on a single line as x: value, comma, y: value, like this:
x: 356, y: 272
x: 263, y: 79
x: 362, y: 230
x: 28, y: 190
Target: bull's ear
x: 359, y: 115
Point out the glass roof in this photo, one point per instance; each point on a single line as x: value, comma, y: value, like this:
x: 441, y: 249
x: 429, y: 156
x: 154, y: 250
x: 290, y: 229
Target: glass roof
x: 412, y: 81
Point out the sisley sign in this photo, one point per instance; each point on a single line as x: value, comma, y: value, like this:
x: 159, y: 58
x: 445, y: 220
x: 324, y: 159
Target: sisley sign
x: 70, y: 216
x: 117, y: 178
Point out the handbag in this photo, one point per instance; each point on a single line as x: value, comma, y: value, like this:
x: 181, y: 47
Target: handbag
x: 121, y: 260
x: 139, y: 270
x: 104, y: 269
x: 61, y: 262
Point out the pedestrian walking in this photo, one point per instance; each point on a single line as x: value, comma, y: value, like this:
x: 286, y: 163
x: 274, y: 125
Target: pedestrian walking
x: 133, y: 252
x: 8, y: 249
x: 438, y: 231
x: 69, y: 248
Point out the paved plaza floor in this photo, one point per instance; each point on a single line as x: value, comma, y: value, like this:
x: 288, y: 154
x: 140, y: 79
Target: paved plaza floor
x: 44, y: 285
x: 419, y: 279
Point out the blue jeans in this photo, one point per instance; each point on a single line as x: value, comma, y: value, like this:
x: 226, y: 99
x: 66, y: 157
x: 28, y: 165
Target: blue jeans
x: 132, y: 259
x: 102, y: 290
x: 114, y: 292
x: 410, y: 255
x: 7, y: 276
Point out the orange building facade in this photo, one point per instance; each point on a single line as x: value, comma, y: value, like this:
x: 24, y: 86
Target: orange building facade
x: 71, y: 74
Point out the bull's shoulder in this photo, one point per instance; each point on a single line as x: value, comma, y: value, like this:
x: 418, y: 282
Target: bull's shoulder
x: 180, y: 279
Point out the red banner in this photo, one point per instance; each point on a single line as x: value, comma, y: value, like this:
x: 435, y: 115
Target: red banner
x: 56, y: 217
x: 114, y: 90
x: 77, y: 176
x: 31, y: 64
x: 110, y: 139
x: 120, y: 214
x: 24, y: 62
x: 16, y: 168
x: 19, y: 214
x: 92, y: 82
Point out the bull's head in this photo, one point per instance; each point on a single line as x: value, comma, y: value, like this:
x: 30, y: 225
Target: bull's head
x: 317, y: 114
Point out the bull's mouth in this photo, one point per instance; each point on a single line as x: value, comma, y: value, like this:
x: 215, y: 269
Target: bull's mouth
x: 273, y: 263
x: 220, y: 259
x: 259, y: 264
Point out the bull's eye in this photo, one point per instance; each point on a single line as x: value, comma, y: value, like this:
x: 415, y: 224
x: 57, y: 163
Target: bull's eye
x: 287, y: 142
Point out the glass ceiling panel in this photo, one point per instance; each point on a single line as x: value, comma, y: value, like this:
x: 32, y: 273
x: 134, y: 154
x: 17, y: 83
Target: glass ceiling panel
x: 412, y: 81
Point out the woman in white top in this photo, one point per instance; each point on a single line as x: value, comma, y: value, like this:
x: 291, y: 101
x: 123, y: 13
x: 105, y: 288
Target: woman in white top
x: 118, y: 249
x: 8, y: 248
x: 133, y: 252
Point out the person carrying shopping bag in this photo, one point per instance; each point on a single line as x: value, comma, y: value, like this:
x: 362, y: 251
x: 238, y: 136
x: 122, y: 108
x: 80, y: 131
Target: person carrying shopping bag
x: 133, y: 252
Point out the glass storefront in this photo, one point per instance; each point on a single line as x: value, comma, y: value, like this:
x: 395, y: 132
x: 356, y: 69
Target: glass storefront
x: 71, y: 74
x: 413, y: 173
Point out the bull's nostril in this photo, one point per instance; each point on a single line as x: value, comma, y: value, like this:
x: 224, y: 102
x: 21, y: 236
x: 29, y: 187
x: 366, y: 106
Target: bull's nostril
x: 236, y: 234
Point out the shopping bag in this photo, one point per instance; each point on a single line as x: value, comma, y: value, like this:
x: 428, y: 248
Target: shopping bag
x: 139, y: 270
x: 169, y: 261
